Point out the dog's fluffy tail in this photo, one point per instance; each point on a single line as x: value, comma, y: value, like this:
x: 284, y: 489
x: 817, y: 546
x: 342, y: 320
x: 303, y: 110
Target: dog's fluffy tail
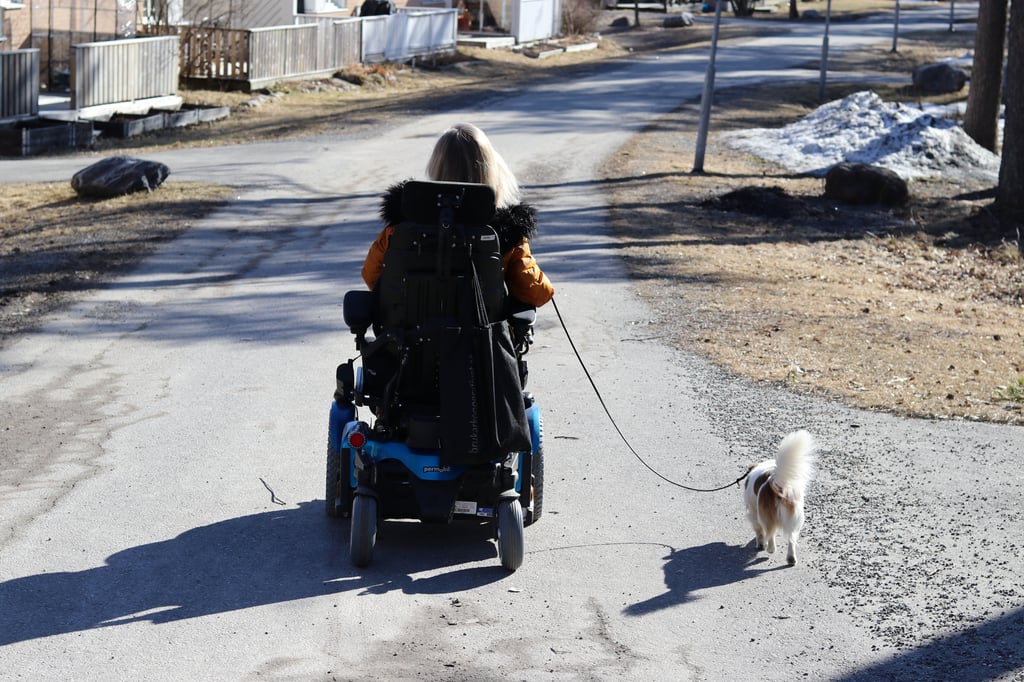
x: 794, y: 465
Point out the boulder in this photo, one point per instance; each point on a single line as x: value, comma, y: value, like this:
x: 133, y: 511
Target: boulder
x: 118, y: 175
x: 941, y: 78
x: 861, y: 183
x: 620, y: 22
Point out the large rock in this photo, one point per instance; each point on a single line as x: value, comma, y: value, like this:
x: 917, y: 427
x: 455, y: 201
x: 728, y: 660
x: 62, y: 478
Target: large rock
x: 861, y: 183
x: 118, y: 175
x: 938, y: 79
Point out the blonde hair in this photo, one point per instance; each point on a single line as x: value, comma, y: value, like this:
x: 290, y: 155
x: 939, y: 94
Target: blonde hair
x: 464, y: 154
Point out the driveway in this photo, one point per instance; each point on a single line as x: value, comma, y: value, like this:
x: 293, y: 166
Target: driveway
x: 163, y: 443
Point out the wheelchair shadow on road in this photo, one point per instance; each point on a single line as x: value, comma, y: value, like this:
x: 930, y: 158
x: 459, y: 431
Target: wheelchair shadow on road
x: 267, y: 558
x: 696, y: 568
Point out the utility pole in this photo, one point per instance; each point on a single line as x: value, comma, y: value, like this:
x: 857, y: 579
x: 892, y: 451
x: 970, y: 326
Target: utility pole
x: 824, y: 53
x: 708, y: 94
x: 896, y: 28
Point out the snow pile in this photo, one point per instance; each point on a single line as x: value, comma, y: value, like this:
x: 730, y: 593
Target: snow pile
x: 863, y: 129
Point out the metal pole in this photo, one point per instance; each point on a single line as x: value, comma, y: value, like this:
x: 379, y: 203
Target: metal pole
x: 707, y: 94
x: 952, y: 9
x: 824, y: 53
x: 896, y: 28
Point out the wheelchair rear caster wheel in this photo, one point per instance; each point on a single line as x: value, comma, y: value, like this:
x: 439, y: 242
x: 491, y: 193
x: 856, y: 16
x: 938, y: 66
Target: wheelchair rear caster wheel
x: 364, y: 530
x: 510, y: 534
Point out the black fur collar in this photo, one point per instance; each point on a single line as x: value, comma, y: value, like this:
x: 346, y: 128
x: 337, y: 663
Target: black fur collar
x: 513, y: 224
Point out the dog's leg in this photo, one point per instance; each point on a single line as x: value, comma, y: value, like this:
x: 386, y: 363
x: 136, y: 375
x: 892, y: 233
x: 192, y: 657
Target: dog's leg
x: 793, y: 533
x: 759, y: 536
x: 769, y: 545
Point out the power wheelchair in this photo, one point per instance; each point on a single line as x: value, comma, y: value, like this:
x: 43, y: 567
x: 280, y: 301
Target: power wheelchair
x: 447, y: 430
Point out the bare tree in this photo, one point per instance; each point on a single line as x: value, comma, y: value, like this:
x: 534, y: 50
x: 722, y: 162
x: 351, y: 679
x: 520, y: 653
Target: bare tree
x: 1010, y: 192
x: 981, y: 119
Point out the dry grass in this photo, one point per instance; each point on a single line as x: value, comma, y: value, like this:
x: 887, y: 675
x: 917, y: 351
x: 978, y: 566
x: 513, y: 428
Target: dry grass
x: 914, y: 310
x: 54, y: 244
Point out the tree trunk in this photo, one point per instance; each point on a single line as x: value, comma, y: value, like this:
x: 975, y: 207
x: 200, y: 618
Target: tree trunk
x: 1010, y: 193
x: 794, y: 13
x: 981, y: 119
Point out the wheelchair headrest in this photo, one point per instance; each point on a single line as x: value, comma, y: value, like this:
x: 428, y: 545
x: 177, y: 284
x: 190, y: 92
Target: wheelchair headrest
x: 460, y: 202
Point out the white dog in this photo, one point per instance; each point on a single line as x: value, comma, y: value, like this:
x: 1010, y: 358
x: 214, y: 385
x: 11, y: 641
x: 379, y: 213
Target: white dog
x: 774, y: 493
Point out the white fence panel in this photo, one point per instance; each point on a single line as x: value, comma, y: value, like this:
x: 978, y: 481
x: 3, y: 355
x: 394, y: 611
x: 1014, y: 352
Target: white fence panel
x: 19, y: 83
x: 375, y: 38
x: 398, y: 31
x: 535, y: 19
x: 424, y: 32
x: 408, y: 34
x: 337, y: 42
x: 123, y: 70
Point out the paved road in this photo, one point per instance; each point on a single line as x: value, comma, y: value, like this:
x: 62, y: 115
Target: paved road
x: 144, y: 430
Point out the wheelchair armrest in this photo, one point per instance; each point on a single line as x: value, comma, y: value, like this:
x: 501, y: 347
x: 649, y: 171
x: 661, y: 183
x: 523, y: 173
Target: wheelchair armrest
x: 519, y: 314
x: 357, y: 309
x: 523, y: 318
x: 520, y: 320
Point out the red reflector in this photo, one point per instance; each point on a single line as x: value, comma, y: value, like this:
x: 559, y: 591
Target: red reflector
x: 357, y: 440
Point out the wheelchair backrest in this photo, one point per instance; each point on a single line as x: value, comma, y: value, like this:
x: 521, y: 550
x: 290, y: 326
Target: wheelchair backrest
x: 428, y: 276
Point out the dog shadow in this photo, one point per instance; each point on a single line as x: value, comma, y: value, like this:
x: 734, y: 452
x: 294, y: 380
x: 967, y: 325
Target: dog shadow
x: 697, y: 568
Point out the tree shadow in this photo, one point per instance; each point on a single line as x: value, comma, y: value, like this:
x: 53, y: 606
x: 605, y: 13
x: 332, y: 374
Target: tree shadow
x: 267, y: 558
x: 983, y: 652
x: 697, y: 568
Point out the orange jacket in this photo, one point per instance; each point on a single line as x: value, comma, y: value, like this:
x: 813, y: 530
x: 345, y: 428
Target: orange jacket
x: 523, y: 277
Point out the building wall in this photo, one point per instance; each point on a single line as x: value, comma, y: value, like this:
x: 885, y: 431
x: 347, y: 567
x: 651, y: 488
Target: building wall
x: 53, y: 26
x: 17, y: 28
x: 239, y: 13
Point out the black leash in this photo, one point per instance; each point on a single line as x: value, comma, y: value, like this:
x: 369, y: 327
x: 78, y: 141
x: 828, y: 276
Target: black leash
x: 619, y: 431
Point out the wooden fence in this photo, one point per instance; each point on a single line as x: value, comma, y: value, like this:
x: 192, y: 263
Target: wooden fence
x: 123, y: 70
x: 19, y: 83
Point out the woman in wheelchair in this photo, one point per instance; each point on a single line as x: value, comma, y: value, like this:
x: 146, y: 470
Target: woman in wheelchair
x: 453, y: 288
x: 463, y: 153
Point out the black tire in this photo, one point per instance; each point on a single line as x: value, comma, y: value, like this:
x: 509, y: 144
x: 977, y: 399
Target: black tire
x: 364, y: 530
x: 533, y: 511
x: 510, y: 534
x: 338, y: 495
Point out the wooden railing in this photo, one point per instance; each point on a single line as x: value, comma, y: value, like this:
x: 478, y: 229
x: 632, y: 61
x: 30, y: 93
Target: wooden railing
x: 215, y: 53
x: 123, y: 70
x: 19, y: 83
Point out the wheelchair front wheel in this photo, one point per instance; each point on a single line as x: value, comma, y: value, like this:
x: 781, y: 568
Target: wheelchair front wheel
x: 510, y: 534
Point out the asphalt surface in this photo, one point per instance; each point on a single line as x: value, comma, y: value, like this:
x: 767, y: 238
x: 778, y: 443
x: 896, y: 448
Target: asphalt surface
x: 161, y: 487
